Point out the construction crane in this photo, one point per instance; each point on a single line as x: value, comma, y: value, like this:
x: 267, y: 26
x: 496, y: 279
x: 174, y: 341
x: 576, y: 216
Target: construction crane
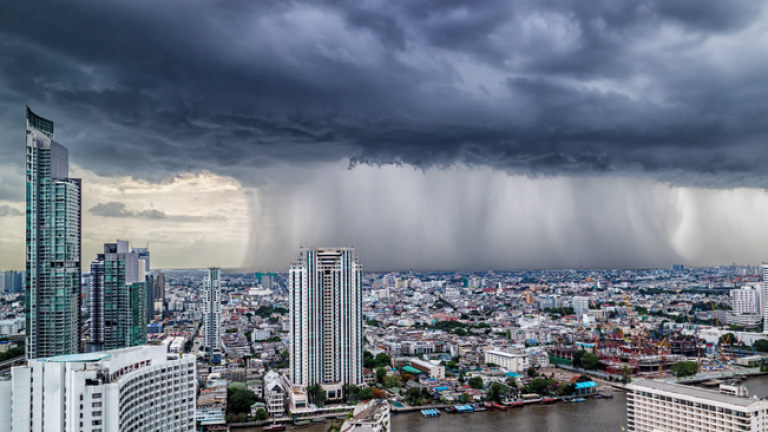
x: 714, y: 312
x: 637, y: 325
x: 660, y: 351
x: 724, y: 341
x: 695, y: 339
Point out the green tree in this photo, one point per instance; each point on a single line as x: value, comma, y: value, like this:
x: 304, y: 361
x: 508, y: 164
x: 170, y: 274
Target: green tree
x: 383, y: 360
x: 366, y: 394
x: 425, y: 393
x: 684, y: 368
x: 761, y: 345
x: 316, y: 394
x: 261, y: 414
x: 511, y: 382
x: 576, y: 360
x: 351, y: 393
x: 567, y: 389
x: 413, y: 396
x: 391, y: 381
x: 465, y: 398
x: 239, y: 400
x: 381, y: 373
x: 626, y: 374
x: 590, y: 361
x: 539, y: 386
x: 532, y: 372
x: 476, y: 382
x: 496, y: 392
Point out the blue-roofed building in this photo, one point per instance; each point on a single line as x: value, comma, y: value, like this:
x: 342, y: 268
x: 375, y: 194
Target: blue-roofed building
x: 586, y: 388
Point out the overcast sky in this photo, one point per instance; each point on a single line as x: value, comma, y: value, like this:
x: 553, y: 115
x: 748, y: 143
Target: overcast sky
x: 440, y: 134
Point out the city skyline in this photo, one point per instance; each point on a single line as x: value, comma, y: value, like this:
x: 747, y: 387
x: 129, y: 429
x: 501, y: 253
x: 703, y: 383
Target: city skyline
x: 465, y: 135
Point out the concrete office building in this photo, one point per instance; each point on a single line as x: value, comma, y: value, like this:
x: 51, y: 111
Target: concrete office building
x: 131, y: 389
x: 159, y: 290
x: 212, y: 313
x: 656, y: 406
x: 746, y: 300
x: 512, y: 362
x: 117, y: 299
x: 326, y: 319
x: 580, y: 305
x: 53, y: 245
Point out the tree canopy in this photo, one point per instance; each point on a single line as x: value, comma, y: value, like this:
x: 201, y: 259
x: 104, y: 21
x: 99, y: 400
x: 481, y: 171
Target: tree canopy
x: 239, y: 400
x: 685, y: 368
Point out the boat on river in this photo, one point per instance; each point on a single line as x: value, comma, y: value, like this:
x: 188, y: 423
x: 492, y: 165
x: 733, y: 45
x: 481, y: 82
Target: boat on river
x: 499, y: 406
x: 301, y: 423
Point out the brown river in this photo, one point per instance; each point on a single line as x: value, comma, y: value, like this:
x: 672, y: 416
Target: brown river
x: 599, y: 415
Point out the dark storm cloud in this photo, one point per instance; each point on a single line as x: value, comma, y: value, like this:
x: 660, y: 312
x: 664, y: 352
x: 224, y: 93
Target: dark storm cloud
x: 114, y: 209
x: 671, y: 90
x: 118, y: 210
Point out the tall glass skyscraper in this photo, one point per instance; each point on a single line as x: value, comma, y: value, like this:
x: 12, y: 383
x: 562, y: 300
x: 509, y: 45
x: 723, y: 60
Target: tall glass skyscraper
x: 53, y: 245
x: 326, y: 319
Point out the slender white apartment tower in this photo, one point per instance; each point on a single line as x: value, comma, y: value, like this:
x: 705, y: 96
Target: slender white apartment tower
x: 326, y: 319
x: 764, y: 298
x: 212, y: 313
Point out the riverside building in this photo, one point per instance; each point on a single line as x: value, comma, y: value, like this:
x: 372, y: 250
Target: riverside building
x: 326, y: 319
x: 132, y: 389
x: 656, y: 406
x: 53, y: 245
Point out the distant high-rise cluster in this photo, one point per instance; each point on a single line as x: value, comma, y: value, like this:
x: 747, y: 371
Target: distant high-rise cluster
x: 53, y: 301
x: 12, y: 282
x: 326, y: 318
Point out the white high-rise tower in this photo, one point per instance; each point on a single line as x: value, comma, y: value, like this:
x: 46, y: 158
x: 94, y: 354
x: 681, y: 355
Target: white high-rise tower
x: 764, y: 298
x: 212, y: 313
x: 326, y: 319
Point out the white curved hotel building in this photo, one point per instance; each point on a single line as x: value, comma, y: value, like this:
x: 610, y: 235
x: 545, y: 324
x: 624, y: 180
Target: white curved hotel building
x: 130, y: 390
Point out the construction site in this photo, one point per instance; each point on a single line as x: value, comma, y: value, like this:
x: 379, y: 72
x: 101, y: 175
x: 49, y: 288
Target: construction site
x: 636, y: 351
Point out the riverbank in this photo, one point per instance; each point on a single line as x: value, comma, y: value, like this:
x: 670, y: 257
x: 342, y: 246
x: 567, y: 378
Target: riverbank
x: 601, y: 415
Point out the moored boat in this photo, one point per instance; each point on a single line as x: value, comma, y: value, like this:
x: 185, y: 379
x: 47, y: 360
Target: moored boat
x: 301, y: 423
x: 499, y: 406
x: 547, y: 401
x: 274, y: 427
